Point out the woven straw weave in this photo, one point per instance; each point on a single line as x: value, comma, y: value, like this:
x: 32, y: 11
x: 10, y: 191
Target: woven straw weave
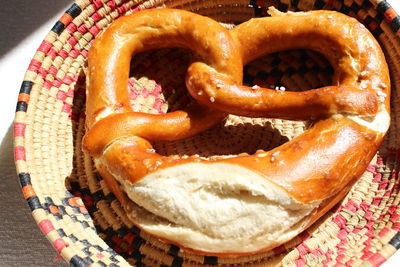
x: 81, y: 217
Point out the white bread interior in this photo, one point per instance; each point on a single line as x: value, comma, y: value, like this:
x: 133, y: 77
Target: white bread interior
x: 215, y: 207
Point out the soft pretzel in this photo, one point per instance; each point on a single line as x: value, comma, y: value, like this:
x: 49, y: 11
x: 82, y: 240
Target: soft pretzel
x: 248, y: 203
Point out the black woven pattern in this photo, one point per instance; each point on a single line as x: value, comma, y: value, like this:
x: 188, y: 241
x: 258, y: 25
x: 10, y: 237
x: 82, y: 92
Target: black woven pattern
x: 26, y: 87
x: 74, y: 10
x: 395, y: 241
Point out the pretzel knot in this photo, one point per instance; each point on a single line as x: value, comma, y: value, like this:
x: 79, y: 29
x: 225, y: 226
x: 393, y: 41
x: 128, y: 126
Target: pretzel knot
x: 248, y: 203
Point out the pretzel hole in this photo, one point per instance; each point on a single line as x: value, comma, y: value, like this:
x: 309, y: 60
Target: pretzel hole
x: 157, y: 80
x: 157, y: 86
x: 294, y: 70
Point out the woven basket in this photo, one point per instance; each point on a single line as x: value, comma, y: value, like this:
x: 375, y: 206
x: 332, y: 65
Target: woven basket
x: 82, y: 218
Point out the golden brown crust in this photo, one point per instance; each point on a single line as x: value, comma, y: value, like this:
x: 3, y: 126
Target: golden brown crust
x: 319, y: 165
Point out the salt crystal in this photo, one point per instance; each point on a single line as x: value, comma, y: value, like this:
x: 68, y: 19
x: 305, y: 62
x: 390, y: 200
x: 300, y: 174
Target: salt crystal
x: 276, y: 153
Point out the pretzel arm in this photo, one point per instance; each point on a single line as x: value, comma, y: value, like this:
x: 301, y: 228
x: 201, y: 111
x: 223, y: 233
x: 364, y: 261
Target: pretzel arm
x: 168, y: 127
x: 268, y: 103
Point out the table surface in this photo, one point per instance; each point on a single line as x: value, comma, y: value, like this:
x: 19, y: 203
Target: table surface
x: 24, y: 27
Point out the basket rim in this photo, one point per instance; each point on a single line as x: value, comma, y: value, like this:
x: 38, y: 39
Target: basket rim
x: 382, y: 7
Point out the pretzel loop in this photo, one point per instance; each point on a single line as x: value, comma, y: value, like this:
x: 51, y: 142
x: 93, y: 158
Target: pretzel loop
x: 248, y: 203
x: 355, y: 81
x: 109, y: 113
